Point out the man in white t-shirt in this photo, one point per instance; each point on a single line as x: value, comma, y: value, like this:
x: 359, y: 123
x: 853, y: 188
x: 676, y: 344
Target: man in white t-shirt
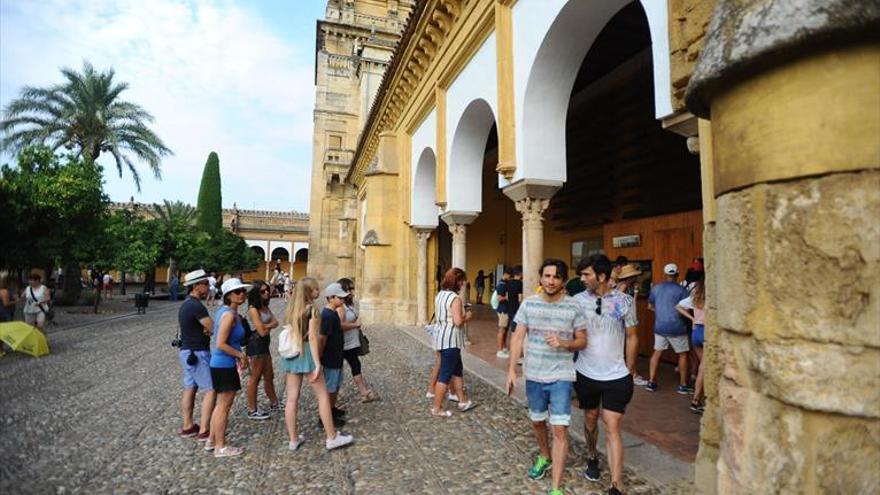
x: 212, y: 290
x: 36, y: 302
x: 603, y: 376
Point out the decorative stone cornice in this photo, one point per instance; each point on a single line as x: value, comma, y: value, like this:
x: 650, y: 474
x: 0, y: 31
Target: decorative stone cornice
x: 427, y: 29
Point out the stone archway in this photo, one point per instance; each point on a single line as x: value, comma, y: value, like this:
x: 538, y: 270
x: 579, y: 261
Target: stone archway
x: 547, y: 68
x: 465, y: 170
x: 424, y: 191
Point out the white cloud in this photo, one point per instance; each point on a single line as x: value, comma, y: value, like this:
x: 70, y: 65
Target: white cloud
x: 213, y: 74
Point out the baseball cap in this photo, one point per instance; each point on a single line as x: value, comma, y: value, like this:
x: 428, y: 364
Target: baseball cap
x: 335, y: 289
x: 670, y: 269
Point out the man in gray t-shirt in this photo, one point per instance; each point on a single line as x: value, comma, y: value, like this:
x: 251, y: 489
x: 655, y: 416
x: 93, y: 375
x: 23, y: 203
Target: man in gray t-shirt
x: 553, y: 327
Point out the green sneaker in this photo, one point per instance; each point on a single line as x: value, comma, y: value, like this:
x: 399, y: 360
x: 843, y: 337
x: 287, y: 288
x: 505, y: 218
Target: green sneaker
x: 555, y: 491
x: 540, y: 468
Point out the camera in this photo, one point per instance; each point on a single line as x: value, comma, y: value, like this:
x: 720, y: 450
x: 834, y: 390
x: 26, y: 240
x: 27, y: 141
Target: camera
x: 176, y: 343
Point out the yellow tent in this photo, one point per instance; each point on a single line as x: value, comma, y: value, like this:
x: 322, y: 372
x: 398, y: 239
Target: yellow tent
x: 22, y: 337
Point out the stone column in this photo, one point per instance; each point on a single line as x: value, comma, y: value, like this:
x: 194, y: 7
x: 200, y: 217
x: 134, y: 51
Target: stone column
x: 422, y: 236
x: 792, y: 378
x: 268, y: 259
x: 458, y: 222
x: 532, y: 197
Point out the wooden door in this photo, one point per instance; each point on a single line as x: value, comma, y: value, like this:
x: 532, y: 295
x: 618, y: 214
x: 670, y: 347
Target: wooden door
x: 672, y: 246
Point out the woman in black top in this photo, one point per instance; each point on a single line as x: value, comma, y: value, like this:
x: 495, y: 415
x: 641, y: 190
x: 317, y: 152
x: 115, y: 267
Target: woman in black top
x: 262, y: 322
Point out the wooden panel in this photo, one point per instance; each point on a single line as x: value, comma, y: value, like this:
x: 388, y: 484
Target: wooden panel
x: 646, y: 227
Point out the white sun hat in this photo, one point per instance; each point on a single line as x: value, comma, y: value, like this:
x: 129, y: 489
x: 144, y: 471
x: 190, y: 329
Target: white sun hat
x: 233, y: 284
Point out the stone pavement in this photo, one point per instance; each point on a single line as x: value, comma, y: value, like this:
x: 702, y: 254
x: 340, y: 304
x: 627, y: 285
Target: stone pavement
x: 100, y: 414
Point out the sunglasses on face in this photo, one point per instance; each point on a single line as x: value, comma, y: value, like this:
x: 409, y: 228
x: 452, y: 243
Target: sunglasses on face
x: 239, y: 292
x: 264, y: 291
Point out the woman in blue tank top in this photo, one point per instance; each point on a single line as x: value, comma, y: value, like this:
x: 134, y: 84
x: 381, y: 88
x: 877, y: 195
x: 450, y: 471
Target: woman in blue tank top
x: 226, y: 348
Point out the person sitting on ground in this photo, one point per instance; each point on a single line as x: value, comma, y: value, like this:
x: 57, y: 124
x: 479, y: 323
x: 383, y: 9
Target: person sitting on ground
x: 228, y: 334
x: 262, y: 321
x: 448, y: 340
x: 351, y: 351
x: 304, y: 324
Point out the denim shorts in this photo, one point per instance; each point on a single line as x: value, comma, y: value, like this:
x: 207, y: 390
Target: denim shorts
x: 198, y: 375
x: 698, y: 337
x: 333, y: 379
x: 549, y: 401
x: 450, y: 365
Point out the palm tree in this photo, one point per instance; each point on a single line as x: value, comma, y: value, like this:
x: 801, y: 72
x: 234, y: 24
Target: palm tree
x: 176, y: 219
x: 85, y: 114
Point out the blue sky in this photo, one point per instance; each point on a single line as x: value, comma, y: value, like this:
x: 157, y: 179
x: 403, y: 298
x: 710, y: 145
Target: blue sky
x: 232, y: 77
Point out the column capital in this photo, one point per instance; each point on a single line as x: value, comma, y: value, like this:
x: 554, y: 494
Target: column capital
x: 459, y: 217
x: 532, y: 209
x: 423, y: 233
x: 532, y: 188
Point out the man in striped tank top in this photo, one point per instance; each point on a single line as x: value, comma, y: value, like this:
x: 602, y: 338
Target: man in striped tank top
x: 553, y: 327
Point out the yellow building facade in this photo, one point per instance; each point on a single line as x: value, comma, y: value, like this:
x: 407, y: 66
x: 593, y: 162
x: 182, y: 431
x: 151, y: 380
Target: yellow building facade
x: 504, y: 132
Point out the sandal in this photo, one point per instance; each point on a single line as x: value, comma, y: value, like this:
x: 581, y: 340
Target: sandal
x: 443, y: 413
x: 466, y: 406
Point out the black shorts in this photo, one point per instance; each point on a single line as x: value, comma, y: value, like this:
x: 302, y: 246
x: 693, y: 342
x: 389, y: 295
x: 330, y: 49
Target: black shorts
x: 225, y: 379
x: 613, y: 395
x: 257, y: 345
x: 352, y: 357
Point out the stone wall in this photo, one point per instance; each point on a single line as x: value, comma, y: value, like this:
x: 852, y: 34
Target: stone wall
x: 688, y: 23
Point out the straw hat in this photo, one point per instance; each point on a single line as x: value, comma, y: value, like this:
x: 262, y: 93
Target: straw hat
x: 628, y: 271
x: 194, y: 277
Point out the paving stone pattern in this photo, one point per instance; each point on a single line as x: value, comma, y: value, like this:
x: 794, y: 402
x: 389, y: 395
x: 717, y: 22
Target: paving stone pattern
x: 100, y: 415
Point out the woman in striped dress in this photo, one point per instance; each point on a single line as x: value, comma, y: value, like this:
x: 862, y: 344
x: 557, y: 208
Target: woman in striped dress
x: 449, y: 339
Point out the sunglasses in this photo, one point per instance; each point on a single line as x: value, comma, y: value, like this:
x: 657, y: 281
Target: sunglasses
x: 264, y: 291
x: 599, y: 306
x: 239, y: 291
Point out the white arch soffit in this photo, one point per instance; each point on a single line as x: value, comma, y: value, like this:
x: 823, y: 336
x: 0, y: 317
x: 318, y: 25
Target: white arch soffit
x: 423, y: 139
x: 286, y: 246
x: 471, y: 106
x: 424, y: 193
x: 264, y: 245
x: 300, y: 245
x: 552, y: 37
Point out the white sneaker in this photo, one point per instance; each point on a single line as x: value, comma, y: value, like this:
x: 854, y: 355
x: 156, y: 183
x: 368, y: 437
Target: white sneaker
x: 503, y: 354
x: 340, y: 441
x: 295, y: 445
x: 639, y: 381
x: 452, y: 397
x: 429, y: 395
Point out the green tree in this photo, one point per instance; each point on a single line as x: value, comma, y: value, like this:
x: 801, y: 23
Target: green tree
x: 176, y: 220
x: 52, y: 211
x: 138, y: 241
x: 224, y: 252
x: 85, y: 114
x: 209, y: 207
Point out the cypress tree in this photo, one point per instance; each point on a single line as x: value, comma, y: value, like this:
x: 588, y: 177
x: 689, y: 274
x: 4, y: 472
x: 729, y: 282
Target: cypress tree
x: 209, y: 214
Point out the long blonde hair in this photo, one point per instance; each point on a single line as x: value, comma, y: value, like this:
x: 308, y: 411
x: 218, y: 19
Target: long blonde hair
x: 699, y: 294
x: 301, y: 305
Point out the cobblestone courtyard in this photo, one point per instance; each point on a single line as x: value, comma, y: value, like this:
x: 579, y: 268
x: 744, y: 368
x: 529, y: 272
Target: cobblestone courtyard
x: 100, y: 415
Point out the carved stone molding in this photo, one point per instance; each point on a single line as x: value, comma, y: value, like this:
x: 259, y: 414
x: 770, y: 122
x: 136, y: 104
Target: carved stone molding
x: 532, y: 209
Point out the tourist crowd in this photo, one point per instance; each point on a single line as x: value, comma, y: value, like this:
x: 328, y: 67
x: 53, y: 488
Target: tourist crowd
x: 573, y: 337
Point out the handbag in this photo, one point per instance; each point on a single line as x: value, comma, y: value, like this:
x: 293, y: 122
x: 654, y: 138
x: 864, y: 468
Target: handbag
x: 287, y: 348
x: 364, y: 343
x: 429, y: 328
